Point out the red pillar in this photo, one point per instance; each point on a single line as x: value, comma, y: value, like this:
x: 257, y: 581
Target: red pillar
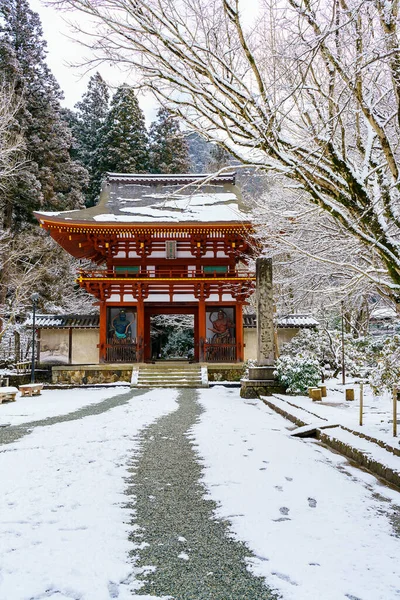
x: 140, y: 330
x: 103, y: 331
x: 202, y: 327
x: 239, y: 333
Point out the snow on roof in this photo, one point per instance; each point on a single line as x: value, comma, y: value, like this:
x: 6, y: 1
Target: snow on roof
x: 65, y: 321
x: 162, y: 179
x: 131, y: 198
x: 295, y: 321
x: 92, y: 321
x: 385, y: 312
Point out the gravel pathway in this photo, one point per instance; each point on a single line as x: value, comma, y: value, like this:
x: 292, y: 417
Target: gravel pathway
x: 175, y: 528
x: 14, y: 433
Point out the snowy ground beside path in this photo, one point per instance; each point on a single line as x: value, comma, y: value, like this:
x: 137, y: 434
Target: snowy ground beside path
x: 377, y: 413
x: 64, y: 528
x: 319, y: 527
x: 52, y: 403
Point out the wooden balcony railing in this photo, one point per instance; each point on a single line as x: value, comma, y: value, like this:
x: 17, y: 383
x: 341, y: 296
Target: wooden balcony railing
x: 166, y: 274
x: 214, y: 352
x: 121, y: 352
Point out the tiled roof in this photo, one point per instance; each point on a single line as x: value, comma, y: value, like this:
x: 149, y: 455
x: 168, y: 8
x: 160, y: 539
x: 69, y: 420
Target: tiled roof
x: 168, y: 199
x: 183, y: 179
x: 296, y: 321
x: 300, y: 321
x: 92, y: 321
x: 65, y: 321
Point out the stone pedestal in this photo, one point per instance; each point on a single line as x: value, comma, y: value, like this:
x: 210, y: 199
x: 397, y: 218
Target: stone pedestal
x: 265, y: 372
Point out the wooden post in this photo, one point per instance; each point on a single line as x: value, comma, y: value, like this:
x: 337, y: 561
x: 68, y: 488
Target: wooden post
x: 394, y: 411
x: 140, y: 330
x: 349, y: 394
x: 202, y: 327
x: 316, y: 394
x: 239, y: 333
x: 103, y: 331
x: 70, y: 346
x: 361, y: 402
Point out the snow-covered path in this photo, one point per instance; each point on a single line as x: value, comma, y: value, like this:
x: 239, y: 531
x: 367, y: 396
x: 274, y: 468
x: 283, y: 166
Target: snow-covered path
x: 192, y: 554
x: 319, y: 527
x: 314, y: 526
x: 64, y: 522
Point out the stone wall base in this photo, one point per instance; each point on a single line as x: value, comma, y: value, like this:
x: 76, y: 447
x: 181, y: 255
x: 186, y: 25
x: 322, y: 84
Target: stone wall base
x: 225, y: 372
x: 108, y: 373
x: 91, y: 374
x: 262, y: 387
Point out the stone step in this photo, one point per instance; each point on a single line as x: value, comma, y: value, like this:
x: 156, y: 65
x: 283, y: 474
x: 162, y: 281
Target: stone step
x: 169, y: 376
x: 169, y: 369
x: 169, y: 385
x: 173, y: 377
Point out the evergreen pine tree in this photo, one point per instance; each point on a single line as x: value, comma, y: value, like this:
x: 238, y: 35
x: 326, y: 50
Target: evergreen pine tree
x: 90, y: 119
x: 123, y: 145
x: 199, y: 152
x: 169, y: 152
x: 50, y: 179
x: 219, y: 158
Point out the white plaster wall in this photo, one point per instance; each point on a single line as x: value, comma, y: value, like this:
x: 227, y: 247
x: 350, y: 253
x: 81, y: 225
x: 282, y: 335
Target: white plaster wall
x: 84, y: 347
x: 215, y: 298
x: 54, y: 346
x: 286, y: 334
x: 250, y: 341
x: 157, y: 298
x: 185, y: 298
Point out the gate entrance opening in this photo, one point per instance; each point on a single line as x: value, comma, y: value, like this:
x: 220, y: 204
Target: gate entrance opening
x: 172, y: 337
x: 171, y: 333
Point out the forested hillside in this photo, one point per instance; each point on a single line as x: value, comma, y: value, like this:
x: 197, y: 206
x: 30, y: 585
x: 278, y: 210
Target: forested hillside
x: 54, y: 159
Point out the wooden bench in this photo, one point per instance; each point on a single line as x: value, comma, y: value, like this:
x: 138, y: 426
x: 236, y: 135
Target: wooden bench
x: 8, y: 393
x: 31, y: 389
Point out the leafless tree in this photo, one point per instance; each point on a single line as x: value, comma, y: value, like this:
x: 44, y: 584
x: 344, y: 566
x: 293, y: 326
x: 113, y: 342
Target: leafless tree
x: 11, y: 142
x: 309, y: 89
x: 31, y: 262
x: 317, y: 263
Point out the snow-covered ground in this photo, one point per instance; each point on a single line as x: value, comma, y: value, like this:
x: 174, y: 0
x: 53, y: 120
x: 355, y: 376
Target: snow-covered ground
x: 320, y: 528
x: 53, y: 403
x: 64, y: 529
x: 377, y: 413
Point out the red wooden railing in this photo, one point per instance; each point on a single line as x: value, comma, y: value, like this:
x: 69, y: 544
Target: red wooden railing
x: 121, y: 352
x: 214, y: 352
x: 165, y: 274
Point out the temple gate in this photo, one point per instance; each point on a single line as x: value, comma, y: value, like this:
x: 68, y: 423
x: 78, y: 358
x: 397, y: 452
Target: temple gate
x: 163, y: 244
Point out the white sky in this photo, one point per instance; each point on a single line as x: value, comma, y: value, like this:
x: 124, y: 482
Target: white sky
x: 64, y: 52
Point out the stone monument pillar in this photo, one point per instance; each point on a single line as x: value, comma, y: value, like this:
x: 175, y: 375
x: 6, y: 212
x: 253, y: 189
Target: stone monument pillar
x: 265, y: 313
x: 261, y: 379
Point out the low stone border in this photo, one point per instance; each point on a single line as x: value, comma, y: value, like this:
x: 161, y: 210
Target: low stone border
x: 360, y: 458
x: 285, y: 414
x: 355, y: 454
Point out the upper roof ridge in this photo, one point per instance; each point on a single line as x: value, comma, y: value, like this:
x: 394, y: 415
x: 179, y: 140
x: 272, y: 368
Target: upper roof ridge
x: 183, y: 178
